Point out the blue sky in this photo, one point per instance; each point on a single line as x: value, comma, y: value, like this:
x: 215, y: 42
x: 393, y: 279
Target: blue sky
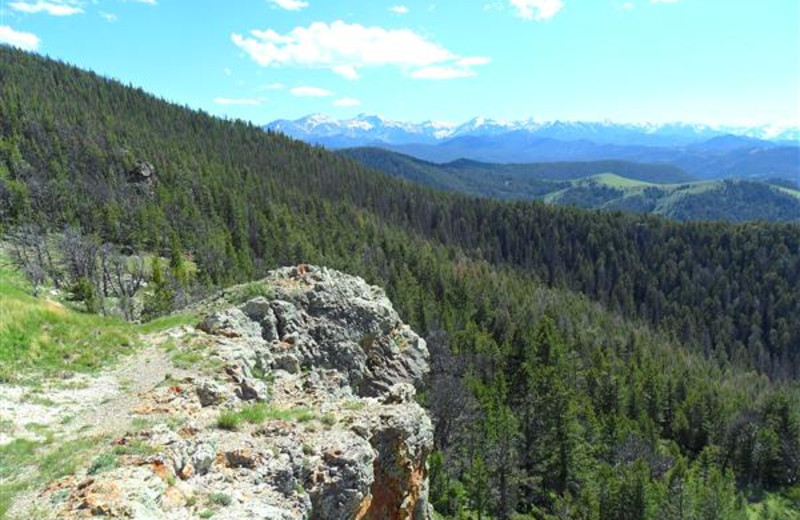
x: 707, y: 61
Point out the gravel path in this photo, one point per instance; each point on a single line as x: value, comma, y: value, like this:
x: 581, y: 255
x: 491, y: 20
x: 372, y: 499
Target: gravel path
x: 84, y: 406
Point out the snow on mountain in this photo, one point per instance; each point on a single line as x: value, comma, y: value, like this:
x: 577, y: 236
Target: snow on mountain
x: 366, y: 129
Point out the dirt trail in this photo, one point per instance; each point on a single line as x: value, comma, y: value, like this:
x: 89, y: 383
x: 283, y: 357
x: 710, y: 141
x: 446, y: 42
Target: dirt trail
x: 136, y: 376
x: 85, y: 405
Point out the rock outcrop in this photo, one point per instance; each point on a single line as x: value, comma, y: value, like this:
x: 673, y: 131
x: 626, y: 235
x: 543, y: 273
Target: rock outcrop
x: 300, y: 406
x: 142, y: 173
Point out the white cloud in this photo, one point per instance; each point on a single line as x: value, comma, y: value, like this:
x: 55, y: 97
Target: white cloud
x: 628, y: 5
x: 439, y: 72
x: 109, y: 16
x: 227, y: 71
x: 664, y: 1
x: 346, y: 71
x: 149, y: 2
x: 289, y: 5
x: 473, y: 61
x: 23, y: 40
x: 346, y: 102
x: 346, y: 48
x: 537, y: 9
x: 272, y: 86
x: 54, y: 8
x: 238, y: 101
x: 310, y: 92
x: 399, y: 9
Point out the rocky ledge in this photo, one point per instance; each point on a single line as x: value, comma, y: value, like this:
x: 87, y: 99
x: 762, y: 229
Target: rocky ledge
x: 297, y: 404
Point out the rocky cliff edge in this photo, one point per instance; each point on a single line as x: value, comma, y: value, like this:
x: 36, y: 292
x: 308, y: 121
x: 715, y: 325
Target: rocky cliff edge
x: 296, y: 404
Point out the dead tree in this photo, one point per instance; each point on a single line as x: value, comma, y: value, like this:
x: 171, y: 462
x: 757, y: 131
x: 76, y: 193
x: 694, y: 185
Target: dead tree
x: 126, y: 277
x: 31, y: 254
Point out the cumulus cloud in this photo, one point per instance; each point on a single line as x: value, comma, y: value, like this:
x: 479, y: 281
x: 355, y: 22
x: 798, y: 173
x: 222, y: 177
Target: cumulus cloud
x: 53, y: 8
x: 347, y: 102
x: 289, y: 5
x: 109, y: 16
x: 23, y: 40
x: 237, y: 101
x: 310, y: 92
x: 346, y: 48
x: 537, y: 9
x: 399, y: 9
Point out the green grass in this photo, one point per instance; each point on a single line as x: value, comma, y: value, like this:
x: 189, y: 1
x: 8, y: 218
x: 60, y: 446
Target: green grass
x: 40, y: 334
x: 229, y: 421
x: 789, y: 191
x: 246, y: 292
x: 168, y: 322
x: 259, y: 413
x: 103, y: 463
x: 615, y: 181
x: 26, y: 465
x: 44, y: 337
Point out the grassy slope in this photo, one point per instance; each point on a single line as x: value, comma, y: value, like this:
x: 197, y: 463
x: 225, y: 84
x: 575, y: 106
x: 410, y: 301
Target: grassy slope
x: 789, y: 191
x: 44, y: 336
x: 669, y: 195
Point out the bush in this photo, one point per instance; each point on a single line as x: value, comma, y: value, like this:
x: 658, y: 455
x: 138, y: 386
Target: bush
x: 83, y: 291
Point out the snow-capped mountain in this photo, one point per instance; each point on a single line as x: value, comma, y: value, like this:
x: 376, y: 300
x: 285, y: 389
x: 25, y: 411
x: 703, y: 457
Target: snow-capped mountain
x: 363, y: 129
x: 367, y: 129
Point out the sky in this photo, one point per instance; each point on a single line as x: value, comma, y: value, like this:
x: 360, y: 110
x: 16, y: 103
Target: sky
x: 734, y: 62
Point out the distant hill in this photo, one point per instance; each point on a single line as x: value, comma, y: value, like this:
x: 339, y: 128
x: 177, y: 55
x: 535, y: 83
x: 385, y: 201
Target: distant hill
x: 708, y: 160
x: 612, y: 185
x: 731, y: 200
x: 506, y: 181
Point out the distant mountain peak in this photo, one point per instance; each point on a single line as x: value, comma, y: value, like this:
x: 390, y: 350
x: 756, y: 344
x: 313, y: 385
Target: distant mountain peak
x: 366, y: 129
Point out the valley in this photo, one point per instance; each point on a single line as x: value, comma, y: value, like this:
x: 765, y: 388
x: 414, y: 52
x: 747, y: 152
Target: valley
x: 632, y: 187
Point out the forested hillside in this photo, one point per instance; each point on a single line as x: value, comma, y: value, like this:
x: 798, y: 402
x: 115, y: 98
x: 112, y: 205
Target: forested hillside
x: 611, y: 185
x: 586, y: 365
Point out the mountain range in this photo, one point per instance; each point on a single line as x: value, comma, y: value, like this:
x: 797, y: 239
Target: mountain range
x: 366, y: 129
x: 702, y: 151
